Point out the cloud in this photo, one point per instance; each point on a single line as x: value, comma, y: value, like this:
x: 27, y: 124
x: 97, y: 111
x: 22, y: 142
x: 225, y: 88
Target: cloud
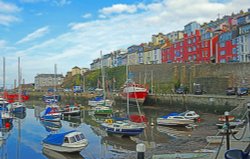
x: 118, y: 8
x: 8, y: 8
x: 7, y: 19
x: 33, y: 1
x: 36, y: 34
x: 7, y: 11
x: 87, y: 15
x: 61, y: 3
x: 2, y: 43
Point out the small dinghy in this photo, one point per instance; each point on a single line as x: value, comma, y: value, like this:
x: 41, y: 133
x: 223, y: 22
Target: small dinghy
x: 72, y: 141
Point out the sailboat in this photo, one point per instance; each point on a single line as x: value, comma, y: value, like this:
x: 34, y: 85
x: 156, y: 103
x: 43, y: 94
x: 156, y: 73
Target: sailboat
x: 105, y: 107
x: 18, y: 106
x: 4, y: 104
x: 124, y: 127
x: 52, y: 112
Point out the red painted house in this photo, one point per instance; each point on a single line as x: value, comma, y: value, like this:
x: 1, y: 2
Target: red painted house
x: 191, y: 46
x: 227, y: 47
x: 208, y: 47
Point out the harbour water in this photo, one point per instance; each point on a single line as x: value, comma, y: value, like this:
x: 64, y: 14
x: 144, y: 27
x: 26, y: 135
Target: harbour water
x: 25, y: 137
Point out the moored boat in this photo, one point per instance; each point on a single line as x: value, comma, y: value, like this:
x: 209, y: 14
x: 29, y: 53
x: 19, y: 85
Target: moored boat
x: 123, y: 128
x: 190, y: 115
x: 136, y: 92
x: 174, y: 119
x: 102, y: 110
x: 71, y: 141
x: 51, y: 114
x: 72, y: 110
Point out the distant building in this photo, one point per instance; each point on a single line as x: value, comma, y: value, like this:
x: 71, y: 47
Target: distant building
x: 243, y: 40
x: 76, y: 71
x: 48, y: 80
x: 158, y: 39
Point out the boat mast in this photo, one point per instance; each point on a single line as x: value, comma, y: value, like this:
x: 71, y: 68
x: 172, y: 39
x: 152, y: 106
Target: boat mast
x: 127, y: 91
x: 3, y: 73
x: 19, y: 81
x: 55, y: 81
x: 103, y: 78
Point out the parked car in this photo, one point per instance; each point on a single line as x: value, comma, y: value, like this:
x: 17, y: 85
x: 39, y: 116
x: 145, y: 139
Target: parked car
x: 180, y: 90
x: 231, y: 91
x: 241, y: 91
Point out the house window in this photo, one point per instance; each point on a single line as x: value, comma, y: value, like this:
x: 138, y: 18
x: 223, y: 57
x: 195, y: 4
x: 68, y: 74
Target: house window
x: 189, y: 49
x: 223, y: 52
x: 222, y: 44
x: 194, y: 48
x: 194, y: 57
x: 194, y: 40
x: 181, y: 44
x: 189, y: 41
x: 202, y: 44
x: 189, y: 58
x: 222, y: 60
x: 234, y: 51
x: 234, y: 42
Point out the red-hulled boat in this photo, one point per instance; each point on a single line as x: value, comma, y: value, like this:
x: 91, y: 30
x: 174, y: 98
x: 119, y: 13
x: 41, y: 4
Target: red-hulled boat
x: 12, y: 97
x: 136, y: 92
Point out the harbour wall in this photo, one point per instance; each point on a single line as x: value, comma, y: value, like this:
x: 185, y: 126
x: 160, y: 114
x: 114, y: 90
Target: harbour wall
x: 214, y: 78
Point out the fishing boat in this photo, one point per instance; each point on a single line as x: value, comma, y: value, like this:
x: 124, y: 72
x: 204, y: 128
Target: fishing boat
x: 136, y: 92
x: 72, y: 110
x: 71, y: 141
x: 174, y: 119
x: 51, y: 114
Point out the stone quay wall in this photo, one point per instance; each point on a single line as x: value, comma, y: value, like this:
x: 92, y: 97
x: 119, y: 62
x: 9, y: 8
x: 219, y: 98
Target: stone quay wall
x: 214, y: 78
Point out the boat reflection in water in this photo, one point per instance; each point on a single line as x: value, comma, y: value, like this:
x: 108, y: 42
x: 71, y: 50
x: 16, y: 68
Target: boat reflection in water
x: 51, y: 126
x: 20, y: 115
x: 175, y: 131
x: 50, y: 154
x: 119, y: 143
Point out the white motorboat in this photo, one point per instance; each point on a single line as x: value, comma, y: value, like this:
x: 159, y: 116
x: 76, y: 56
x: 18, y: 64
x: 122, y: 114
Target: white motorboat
x: 174, y: 121
x: 190, y: 115
x: 72, y: 141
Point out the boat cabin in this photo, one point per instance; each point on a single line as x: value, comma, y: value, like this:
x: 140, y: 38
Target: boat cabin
x: 74, y: 137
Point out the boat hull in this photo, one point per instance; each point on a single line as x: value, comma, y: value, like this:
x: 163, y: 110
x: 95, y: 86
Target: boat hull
x: 72, y: 113
x: 103, y: 112
x: 168, y: 122
x: 135, y: 96
x: 77, y: 148
x: 122, y: 131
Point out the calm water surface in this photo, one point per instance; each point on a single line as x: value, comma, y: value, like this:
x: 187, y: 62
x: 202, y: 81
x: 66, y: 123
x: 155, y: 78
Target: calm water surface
x: 24, y: 140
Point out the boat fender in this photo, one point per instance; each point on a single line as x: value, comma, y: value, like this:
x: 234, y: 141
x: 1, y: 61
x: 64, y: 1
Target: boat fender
x: 109, y: 121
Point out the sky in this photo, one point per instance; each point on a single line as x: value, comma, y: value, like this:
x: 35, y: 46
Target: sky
x: 72, y: 33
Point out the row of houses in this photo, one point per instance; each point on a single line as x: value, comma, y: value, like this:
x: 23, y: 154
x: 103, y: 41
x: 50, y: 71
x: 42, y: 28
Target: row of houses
x: 226, y: 39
